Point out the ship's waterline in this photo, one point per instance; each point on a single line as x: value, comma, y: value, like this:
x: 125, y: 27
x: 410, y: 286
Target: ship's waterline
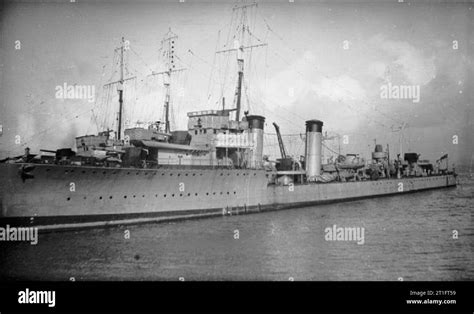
x: 409, y: 236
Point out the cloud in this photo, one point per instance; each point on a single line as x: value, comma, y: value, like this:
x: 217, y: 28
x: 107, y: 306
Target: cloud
x: 341, y: 88
x: 402, y: 61
x: 300, y: 79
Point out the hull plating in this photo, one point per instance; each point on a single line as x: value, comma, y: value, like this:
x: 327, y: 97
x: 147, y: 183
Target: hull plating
x: 66, y: 196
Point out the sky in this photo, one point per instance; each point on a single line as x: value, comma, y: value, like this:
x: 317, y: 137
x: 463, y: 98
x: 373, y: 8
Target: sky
x: 325, y: 60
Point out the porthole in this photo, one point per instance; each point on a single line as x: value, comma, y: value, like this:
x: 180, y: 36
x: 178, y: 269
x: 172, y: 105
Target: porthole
x: 68, y: 198
x: 125, y: 196
x: 195, y: 194
x: 134, y: 196
x: 172, y: 195
x: 164, y: 195
x: 189, y: 194
x: 100, y: 197
x: 110, y: 196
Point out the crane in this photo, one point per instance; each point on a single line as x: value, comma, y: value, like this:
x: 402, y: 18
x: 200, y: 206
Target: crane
x: 280, y: 141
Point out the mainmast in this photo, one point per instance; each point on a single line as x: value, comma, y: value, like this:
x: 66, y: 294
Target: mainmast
x: 120, y: 91
x: 168, y: 47
x: 401, y: 128
x: 241, y: 14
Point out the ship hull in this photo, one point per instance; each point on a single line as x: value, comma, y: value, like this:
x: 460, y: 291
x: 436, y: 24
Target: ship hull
x: 54, y: 197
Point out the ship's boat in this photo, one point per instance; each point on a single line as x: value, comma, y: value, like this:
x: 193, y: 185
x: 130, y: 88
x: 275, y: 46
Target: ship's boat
x: 350, y: 161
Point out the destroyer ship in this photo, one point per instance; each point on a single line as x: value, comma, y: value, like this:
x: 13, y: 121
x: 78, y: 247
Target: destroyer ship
x: 215, y: 167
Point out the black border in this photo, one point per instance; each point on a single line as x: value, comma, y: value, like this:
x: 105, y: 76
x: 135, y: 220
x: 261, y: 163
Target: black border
x: 188, y: 296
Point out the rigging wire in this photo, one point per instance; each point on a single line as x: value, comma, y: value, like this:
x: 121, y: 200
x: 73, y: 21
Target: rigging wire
x: 47, y: 130
x: 96, y: 100
x: 141, y: 59
x: 226, y: 56
x: 324, y: 145
x: 208, y: 94
x: 326, y: 76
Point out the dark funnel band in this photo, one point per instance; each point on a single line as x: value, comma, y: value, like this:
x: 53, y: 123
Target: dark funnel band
x: 256, y: 122
x: 314, y: 126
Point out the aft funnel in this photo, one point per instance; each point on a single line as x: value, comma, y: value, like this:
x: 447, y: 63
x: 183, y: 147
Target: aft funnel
x: 314, y: 130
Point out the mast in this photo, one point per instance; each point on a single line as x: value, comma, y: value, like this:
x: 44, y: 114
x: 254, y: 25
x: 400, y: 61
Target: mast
x: 120, y: 91
x: 241, y: 14
x: 120, y: 85
x: 400, y: 129
x: 168, y: 42
x: 168, y: 45
x: 240, y: 63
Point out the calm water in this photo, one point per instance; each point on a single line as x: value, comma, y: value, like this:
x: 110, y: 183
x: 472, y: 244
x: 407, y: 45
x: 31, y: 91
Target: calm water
x: 408, y: 236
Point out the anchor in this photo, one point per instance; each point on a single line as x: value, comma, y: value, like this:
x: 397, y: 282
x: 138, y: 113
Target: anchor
x: 25, y: 172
